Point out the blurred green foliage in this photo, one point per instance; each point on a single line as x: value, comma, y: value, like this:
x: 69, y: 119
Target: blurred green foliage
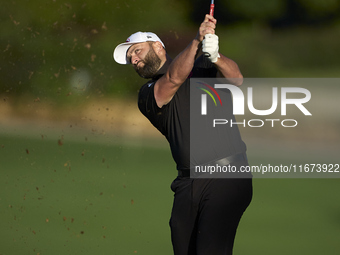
x: 54, y: 49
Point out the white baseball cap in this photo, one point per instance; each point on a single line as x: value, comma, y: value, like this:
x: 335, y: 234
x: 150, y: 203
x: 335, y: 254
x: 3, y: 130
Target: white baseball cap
x: 120, y: 51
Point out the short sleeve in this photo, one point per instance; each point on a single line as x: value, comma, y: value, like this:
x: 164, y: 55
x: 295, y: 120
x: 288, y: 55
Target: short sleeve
x: 148, y: 106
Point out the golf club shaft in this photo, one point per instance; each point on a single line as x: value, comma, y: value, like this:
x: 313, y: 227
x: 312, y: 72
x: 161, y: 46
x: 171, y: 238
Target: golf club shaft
x: 212, y: 7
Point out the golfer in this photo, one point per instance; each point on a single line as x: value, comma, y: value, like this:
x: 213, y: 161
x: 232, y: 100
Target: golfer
x: 206, y: 212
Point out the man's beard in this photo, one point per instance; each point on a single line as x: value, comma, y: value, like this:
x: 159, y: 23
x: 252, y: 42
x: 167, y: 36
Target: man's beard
x: 151, y: 65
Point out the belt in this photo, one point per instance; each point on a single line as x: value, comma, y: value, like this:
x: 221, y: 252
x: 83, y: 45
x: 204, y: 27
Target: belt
x: 221, y: 162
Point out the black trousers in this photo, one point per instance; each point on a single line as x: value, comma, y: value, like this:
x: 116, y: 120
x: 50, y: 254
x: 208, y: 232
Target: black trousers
x: 206, y: 213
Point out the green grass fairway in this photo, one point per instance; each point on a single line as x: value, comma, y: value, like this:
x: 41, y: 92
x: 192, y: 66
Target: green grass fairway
x: 80, y: 196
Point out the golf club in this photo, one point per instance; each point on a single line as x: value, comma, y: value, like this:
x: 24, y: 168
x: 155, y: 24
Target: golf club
x: 212, y: 7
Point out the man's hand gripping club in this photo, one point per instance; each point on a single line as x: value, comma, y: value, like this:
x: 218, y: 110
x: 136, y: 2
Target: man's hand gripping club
x: 208, y: 38
x: 210, y: 47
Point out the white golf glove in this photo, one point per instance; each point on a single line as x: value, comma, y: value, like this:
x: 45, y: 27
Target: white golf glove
x: 210, y: 47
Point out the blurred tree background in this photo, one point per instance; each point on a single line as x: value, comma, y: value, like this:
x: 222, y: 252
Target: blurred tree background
x: 62, y: 50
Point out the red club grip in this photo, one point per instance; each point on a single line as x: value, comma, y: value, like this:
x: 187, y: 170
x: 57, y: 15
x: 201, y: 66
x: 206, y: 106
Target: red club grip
x: 212, y: 7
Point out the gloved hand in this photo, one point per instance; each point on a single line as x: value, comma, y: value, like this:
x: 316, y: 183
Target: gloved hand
x: 210, y: 47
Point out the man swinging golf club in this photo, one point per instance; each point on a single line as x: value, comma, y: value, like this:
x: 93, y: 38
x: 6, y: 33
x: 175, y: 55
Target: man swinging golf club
x: 206, y: 212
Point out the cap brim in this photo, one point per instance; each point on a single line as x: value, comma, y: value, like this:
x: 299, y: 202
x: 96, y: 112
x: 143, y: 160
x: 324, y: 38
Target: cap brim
x: 119, y: 53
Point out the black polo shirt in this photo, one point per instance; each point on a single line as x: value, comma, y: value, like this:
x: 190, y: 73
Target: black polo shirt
x: 173, y: 119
